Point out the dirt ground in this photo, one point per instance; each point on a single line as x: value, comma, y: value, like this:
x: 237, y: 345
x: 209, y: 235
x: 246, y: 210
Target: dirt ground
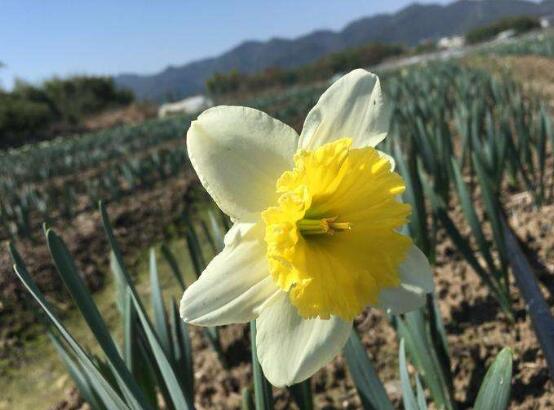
x: 135, y: 113
x: 139, y: 221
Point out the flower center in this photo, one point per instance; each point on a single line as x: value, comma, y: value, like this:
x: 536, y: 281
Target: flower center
x: 322, y: 226
x: 332, y: 239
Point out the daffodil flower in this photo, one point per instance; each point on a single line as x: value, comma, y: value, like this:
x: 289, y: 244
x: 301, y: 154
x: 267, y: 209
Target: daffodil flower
x: 316, y: 234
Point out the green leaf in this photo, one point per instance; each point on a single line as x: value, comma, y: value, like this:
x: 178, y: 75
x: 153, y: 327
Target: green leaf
x: 263, y: 394
x: 175, y: 389
x: 414, y: 196
x: 494, y: 393
x: 408, y: 396
x: 302, y: 394
x: 183, y: 349
x: 414, y: 331
x: 463, y: 246
x: 494, y: 211
x: 106, y: 392
x: 217, y: 229
x: 470, y: 214
x: 134, y: 351
x: 370, y: 388
x: 247, y: 401
x: 72, y: 280
x: 420, y: 394
x: 118, y: 263
x: 193, y: 243
x: 158, y: 308
x: 77, y: 373
x: 120, y: 283
x: 172, y: 262
x: 438, y: 335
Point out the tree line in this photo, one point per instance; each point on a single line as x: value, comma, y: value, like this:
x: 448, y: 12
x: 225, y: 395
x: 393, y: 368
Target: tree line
x: 57, y: 106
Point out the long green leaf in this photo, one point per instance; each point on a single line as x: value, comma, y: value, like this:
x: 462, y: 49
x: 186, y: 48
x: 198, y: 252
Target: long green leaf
x: 417, y: 339
x: 408, y: 396
x: 263, y: 395
x: 160, y: 318
x: 174, y: 387
x: 247, y: 401
x: 470, y: 214
x: 493, y: 210
x: 70, y: 276
x: 494, y: 393
x: 183, y: 349
x: 463, y: 246
x: 370, y: 388
x: 77, y: 373
x: 302, y: 394
x: 105, y: 391
x: 172, y: 262
x: 134, y: 351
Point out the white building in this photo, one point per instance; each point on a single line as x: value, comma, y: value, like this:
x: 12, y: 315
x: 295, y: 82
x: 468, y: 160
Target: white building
x: 189, y: 105
x: 547, y: 21
x: 504, y: 35
x: 451, y: 42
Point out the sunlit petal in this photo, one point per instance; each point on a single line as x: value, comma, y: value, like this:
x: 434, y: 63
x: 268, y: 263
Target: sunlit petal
x: 353, y: 108
x: 236, y: 283
x: 290, y: 348
x: 238, y: 154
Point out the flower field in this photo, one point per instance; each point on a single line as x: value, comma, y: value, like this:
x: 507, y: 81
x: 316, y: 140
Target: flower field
x: 475, y: 151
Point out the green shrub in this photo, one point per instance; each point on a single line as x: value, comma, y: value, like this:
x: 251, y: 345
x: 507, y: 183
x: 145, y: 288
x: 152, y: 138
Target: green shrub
x: 22, y: 119
x: 79, y: 96
x: 519, y: 24
x: 29, y: 113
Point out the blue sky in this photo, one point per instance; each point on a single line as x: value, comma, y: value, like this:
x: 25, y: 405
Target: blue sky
x: 39, y: 39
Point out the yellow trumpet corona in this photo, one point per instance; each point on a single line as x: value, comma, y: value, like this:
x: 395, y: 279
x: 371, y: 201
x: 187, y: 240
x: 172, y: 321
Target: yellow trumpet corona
x: 332, y: 240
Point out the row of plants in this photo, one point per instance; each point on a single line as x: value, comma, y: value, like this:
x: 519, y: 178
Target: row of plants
x: 21, y: 209
x: 35, y: 163
x: 63, y: 177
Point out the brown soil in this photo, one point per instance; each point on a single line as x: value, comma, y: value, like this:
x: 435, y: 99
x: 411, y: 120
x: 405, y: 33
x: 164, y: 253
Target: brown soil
x: 135, y: 113
x: 139, y: 221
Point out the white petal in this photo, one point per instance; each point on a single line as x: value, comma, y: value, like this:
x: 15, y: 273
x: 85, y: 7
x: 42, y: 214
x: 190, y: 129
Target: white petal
x: 238, y: 154
x: 236, y: 283
x: 416, y: 279
x: 352, y: 107
x: 290, y: 348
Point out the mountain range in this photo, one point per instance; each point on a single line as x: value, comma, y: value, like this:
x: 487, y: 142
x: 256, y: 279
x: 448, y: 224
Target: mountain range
x: 408, y: 26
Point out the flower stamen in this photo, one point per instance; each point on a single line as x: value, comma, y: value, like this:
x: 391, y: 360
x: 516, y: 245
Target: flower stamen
x: 322, y: 226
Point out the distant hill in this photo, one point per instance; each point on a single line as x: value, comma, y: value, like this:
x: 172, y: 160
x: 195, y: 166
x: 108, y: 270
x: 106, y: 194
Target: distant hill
x: 408, y: 26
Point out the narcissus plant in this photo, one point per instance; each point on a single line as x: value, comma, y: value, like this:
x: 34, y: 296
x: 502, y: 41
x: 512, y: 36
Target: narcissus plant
x: 317, y: 227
